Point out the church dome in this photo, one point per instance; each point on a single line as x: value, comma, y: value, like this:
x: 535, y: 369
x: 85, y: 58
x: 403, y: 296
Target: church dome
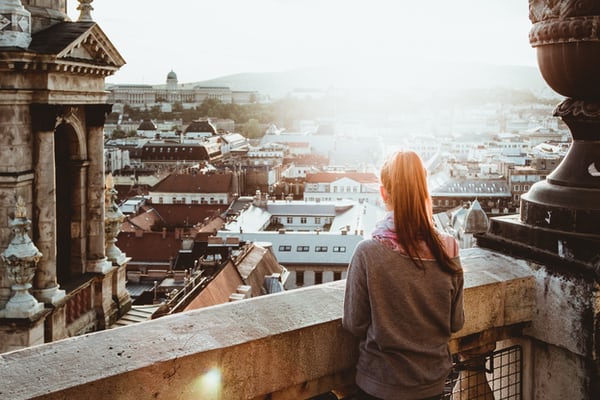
x: 172, y: 76
x: 476, y: 219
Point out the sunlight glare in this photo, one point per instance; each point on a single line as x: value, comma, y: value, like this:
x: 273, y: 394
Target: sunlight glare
x: 208, y: 386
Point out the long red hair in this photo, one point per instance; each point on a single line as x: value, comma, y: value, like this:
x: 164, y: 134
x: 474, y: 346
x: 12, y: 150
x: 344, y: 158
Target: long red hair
x: 404, y: 180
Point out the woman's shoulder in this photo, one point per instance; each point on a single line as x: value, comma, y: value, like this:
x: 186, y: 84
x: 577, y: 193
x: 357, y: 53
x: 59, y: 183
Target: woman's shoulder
x: 369, y: 245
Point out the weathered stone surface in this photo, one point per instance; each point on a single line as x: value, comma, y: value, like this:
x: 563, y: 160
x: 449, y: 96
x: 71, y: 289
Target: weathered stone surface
x: 283, y: 344
x: 565, y: 312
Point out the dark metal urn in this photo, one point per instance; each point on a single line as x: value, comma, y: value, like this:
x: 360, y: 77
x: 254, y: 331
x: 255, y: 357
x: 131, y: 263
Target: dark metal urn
x: 560, y: 217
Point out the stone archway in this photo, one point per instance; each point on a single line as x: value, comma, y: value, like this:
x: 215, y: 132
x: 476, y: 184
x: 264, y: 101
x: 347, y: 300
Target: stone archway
x: 70, y: 205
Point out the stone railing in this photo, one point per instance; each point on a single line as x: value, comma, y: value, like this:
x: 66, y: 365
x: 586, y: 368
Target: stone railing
x: 289, y: 345
x: 79, y: 302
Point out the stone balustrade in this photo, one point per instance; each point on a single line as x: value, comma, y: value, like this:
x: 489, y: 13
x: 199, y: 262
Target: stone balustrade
x: 289, y: 345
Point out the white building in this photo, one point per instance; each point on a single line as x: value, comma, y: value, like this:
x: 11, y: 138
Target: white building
x: 334, y: 186
x: 193, y: 188
x: 115, y: 159
x: 314, y: 241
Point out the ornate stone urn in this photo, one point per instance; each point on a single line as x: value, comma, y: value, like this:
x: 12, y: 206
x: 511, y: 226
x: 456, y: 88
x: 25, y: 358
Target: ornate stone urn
x: 20, y: 259
x: 566, y: 36
x: 113, y: 220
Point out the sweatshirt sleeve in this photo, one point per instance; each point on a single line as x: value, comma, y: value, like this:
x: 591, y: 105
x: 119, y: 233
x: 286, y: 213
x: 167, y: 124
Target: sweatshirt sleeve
x: 357, y: 309
x: 458, y: 313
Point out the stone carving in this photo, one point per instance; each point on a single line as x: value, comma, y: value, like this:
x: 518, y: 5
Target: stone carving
x: 577, y: 108
x: 564, y: 31
x: 15, y: 24
x: 113, y: 220
x: 540, y: 10
x: 563, y: 21
x: 85, y: 8
x: 21, y: 258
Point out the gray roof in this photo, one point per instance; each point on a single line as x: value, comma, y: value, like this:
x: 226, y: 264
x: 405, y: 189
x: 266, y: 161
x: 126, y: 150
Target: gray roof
x: 301, y: 208
x: 473, y: 188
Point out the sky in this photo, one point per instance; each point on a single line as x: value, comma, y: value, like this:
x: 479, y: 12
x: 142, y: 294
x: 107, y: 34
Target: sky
x: 205, y: 39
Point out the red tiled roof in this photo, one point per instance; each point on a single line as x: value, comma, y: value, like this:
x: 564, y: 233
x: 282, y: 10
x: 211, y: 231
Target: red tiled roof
x: 149, y: 247
x: 195, y: 183
x: 328, y: 177
x: 144, y: 221
x: 219, y: 289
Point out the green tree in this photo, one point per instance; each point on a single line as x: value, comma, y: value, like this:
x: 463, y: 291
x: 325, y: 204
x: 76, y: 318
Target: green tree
x: 252, y: 129
x: 118, y: 134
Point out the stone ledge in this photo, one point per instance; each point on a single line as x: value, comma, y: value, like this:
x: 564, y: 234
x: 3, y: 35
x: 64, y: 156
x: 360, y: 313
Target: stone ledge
x: 281, y: 345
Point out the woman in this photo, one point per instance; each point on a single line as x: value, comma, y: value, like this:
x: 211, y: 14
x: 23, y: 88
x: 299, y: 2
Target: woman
x: 404, y: 292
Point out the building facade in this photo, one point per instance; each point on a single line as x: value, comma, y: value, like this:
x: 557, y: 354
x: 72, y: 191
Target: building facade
x: 148, y: 96
x: 52, y: 172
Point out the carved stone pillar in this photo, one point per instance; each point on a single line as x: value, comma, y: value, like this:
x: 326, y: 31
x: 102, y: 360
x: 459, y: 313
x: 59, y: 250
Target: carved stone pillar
x: 15, y: 25
x: 20, y: 260
x: 112, y: 223
x: 97, y: 261
x: 46, y: 288
x: 85, y: 8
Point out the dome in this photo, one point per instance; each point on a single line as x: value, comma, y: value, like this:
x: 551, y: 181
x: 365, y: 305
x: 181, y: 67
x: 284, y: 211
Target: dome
x: 147, y: 125
x: 172, y: 75
x: 476, y: 219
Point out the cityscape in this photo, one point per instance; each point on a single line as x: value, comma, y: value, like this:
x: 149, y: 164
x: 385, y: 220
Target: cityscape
x: 221, y: 214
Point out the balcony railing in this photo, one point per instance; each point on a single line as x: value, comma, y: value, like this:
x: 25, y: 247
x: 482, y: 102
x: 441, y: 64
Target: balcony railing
x: 289, y: 345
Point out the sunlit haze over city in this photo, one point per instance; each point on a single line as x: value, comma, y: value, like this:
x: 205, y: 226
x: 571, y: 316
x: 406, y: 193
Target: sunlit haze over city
x: 373, y: 44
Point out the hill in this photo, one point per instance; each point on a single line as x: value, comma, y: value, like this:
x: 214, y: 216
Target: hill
x: 449, y: 77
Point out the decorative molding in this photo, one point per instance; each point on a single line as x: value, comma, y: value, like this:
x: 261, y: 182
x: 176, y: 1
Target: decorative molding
x: 543, y: 10
x: 576, y: 29
x: 578, y: 108
x: 95, y: 46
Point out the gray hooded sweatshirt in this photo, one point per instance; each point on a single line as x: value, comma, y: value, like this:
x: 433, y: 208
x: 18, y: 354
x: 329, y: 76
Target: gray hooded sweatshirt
x: 403, y: 316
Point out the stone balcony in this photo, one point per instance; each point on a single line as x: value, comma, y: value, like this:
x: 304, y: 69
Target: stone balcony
x: 289, y: 345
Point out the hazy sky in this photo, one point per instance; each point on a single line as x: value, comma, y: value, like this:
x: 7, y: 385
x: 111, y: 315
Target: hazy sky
x: 204, y: 39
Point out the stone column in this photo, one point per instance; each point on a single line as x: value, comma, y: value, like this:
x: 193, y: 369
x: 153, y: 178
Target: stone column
x: 112, y: 226
x: 45, y: 285
x: 20, y: 259
x: 97, y: 261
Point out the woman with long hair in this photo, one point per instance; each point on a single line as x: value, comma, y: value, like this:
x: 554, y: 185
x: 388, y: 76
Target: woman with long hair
x: 404, y: 292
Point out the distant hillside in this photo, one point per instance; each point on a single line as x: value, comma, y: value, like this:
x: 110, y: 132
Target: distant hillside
x: 450, y: 77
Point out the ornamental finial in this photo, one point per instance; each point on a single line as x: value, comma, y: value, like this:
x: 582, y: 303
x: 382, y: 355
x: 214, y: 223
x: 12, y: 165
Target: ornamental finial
x: 20, y: 209
x: 85, y: 8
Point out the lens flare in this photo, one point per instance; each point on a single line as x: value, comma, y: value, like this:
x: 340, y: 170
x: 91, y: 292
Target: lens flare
x: 208, y: 386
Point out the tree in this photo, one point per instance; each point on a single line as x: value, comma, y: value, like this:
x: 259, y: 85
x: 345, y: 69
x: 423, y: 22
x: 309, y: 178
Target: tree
x: 252, y: 129
x: 119, y: 134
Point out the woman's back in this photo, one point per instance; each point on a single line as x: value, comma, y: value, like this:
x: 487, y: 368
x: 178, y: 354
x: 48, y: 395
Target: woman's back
x: 403, y: 313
